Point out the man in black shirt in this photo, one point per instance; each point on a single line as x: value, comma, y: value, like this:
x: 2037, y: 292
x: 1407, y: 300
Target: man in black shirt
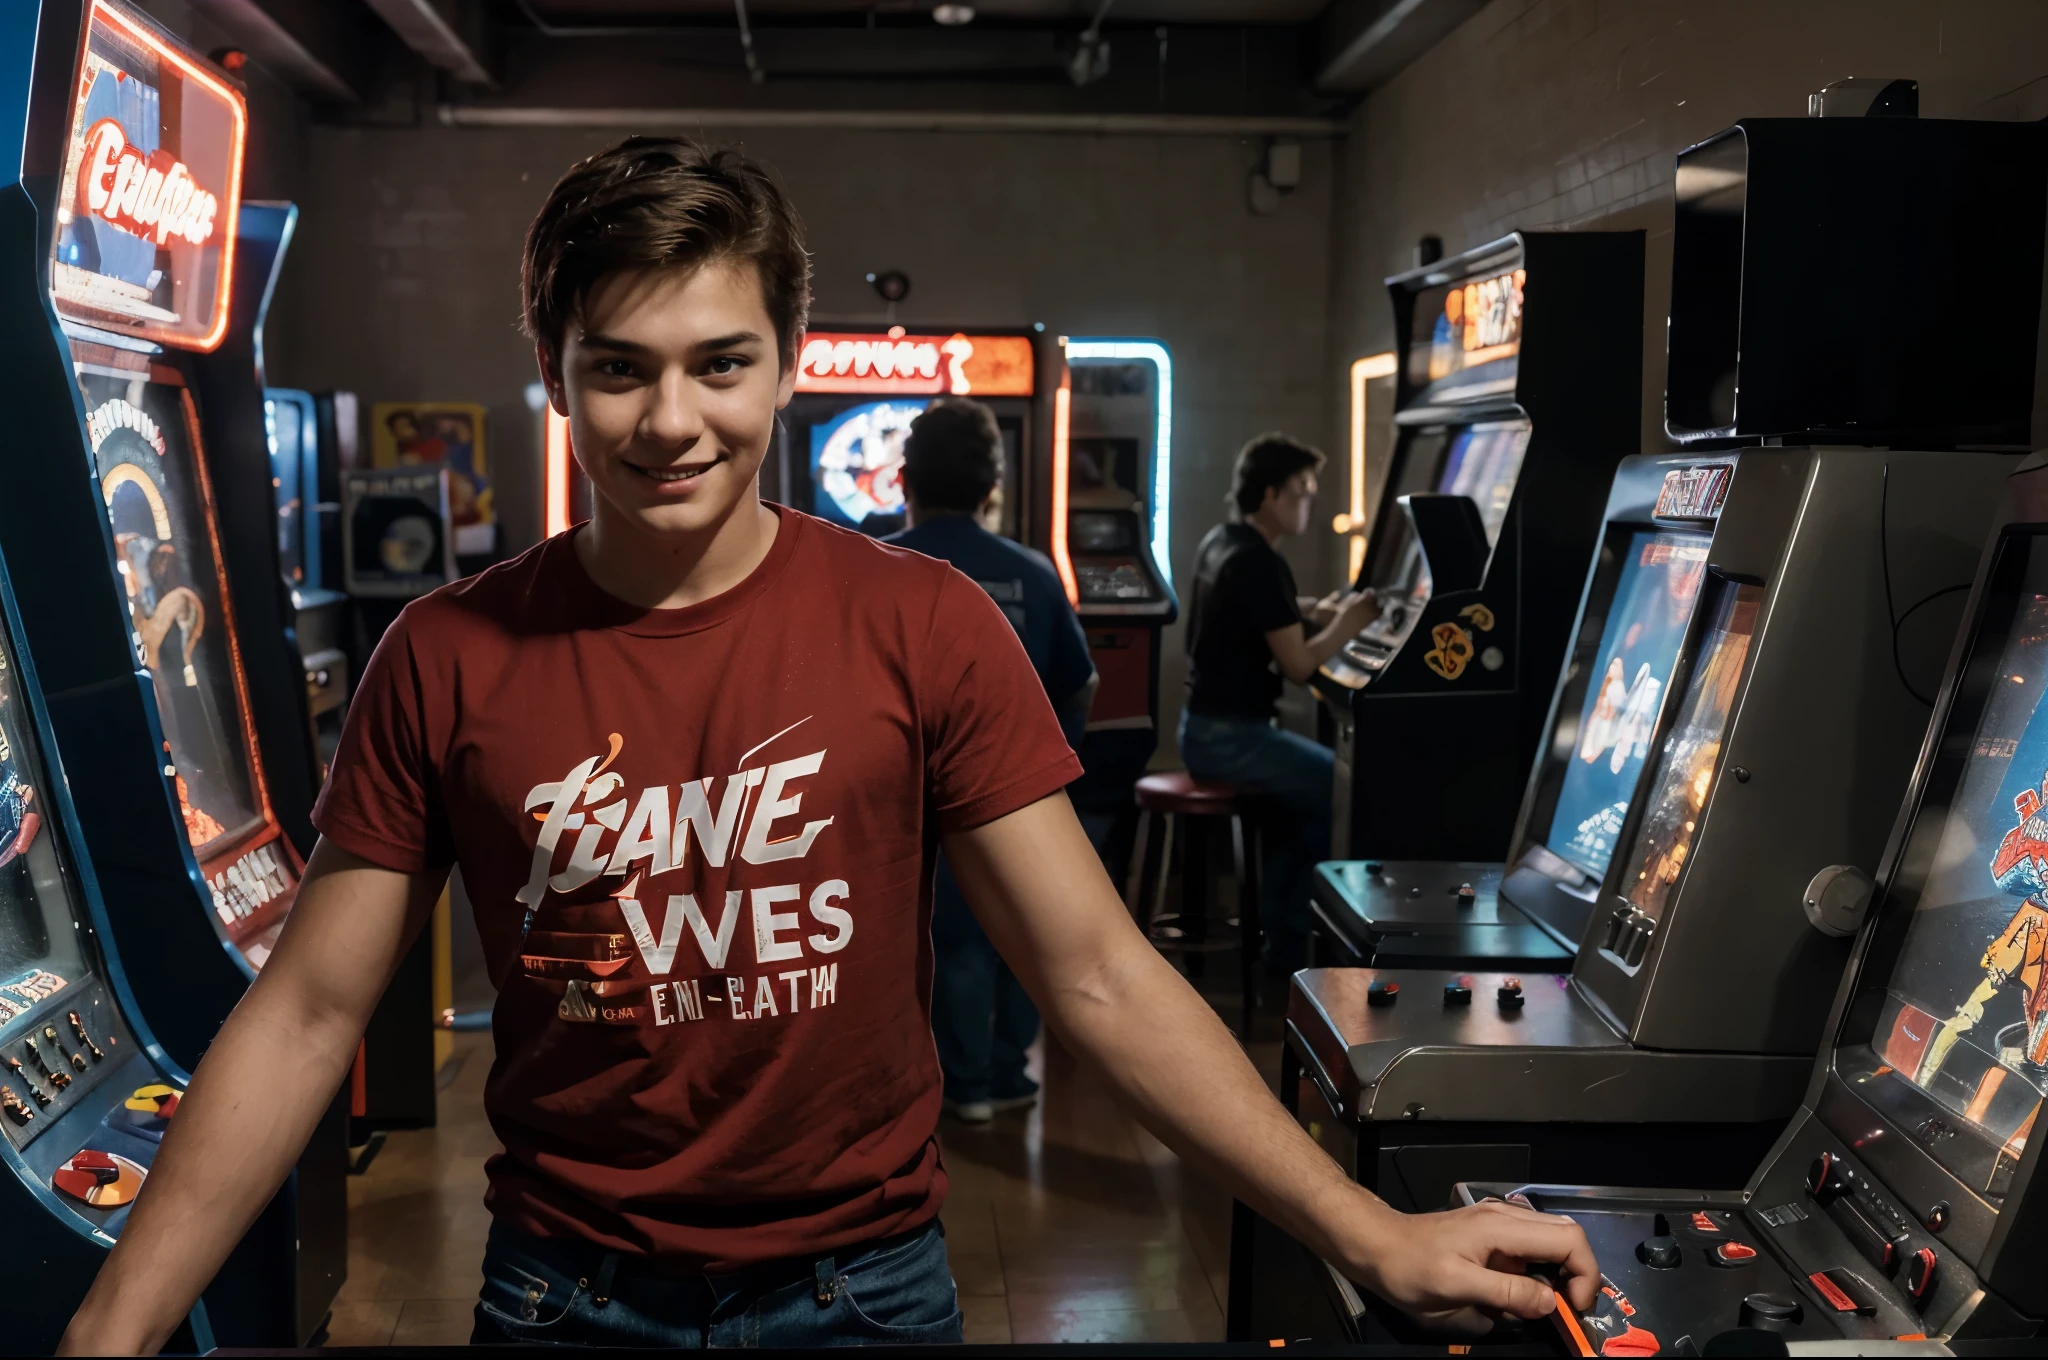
x: 1247, y: 629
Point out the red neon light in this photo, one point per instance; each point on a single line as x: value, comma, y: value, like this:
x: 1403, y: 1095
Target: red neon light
x: 1062, y: 418
x: 560, y: 460
x: 958, y: 365
x: 229, y: 203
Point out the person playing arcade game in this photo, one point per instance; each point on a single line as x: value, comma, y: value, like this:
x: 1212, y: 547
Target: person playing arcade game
x: 694, y: 758
x: 982, y: 1018
x: 1246, y: 630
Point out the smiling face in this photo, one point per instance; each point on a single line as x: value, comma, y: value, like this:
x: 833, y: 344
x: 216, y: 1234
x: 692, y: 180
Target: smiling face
x: 671, y: 381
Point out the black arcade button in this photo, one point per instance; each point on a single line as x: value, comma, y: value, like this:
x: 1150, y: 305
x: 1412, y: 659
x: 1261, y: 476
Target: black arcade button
x: 1382, y: 993
x: 1457, y: 994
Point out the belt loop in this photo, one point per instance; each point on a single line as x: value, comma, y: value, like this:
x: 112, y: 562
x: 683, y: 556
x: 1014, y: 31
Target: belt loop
x: 601, y: 1288
x: 828, y: 1282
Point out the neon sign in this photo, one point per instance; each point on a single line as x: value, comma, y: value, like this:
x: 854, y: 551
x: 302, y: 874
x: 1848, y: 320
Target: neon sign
x: 150, y: 195
x: 898, y: 362
x: 144, y: 239
x: 1142, y: 351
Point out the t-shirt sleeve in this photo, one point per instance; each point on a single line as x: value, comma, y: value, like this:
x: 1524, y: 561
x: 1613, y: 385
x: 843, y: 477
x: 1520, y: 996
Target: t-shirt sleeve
x: 382, y: 799
x: 992, y: 744
x: 1261, y: 586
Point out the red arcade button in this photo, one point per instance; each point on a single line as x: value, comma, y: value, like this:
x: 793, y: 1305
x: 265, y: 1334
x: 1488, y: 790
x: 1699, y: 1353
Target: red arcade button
x: 1703, y: 1222
x: 1634, y: 1341
x: 1734, y: 1254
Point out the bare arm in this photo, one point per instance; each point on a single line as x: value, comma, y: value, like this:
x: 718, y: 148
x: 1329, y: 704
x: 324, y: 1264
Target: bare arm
x: 1297, y: 654
x: 1039, y: 891
x: 255, y: 1099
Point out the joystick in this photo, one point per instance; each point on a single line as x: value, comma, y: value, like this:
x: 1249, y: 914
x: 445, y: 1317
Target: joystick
x: 1457, y: 994
x: 1658, y: 1253
x: 1921, y: 1275
x: 1771, y: 1312
x: 1466, y: 895
x: 1382, y: 993
x: 1509, y: 994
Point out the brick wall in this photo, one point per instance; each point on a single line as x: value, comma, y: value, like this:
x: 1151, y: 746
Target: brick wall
x: 1568, y: 113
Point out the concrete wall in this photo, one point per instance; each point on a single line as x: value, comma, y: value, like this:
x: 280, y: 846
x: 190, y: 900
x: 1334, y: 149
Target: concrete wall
x: 403, y: 282
x: 1568, y: 113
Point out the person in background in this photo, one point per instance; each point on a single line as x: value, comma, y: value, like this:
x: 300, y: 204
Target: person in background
x: 952, y: 476
x: 1247, y: 629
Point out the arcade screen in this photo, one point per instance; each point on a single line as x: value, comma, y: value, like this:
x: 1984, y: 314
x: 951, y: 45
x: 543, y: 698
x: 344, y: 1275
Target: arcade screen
x: 1484, y: 463
x: 1481, y: 461
x: 1963, y: 1016
x: 1684, y: 775
x: 288, y: 431
x: 42, y: 950
x: 857, y: 465
x: 1654, y: 592
x: 1466, y: 337
x: 164, y: 554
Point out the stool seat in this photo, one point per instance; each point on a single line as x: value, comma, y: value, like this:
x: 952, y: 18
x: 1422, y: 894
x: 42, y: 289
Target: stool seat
x: 1181, y: 792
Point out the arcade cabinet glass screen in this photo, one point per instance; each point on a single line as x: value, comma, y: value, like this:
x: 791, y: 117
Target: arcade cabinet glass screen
x: 164, y: 555
x: 1964, y: 1014
x: 857, y: 465
x: 287, y: 422
x: 1466, y: 338
x: 42, y: 950
x: 1684, y: 775
x: 1654, y: 592
x: 152, y: 180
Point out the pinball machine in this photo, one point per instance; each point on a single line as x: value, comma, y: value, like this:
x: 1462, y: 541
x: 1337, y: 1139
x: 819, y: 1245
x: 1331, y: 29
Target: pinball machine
x: 1700, y: 844
x: 840, y: 451
x: 134, y: 340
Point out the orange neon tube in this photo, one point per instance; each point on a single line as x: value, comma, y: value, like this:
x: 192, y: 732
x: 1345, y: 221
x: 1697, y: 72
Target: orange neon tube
x: 231, y: 202
x: 1062, y: 416
x: 559, y: 459
x: 1354, y: 522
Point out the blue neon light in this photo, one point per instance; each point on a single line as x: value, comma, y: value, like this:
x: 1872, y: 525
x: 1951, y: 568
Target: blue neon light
x: 1154, y: 353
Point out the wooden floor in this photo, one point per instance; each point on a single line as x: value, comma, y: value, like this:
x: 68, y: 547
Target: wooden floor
x: 1066, y: 1223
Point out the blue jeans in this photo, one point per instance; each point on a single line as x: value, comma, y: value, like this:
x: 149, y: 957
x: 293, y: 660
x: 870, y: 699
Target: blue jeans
x: 1293, y: 777
x: 553, y: 1291
x: 982, y: 1020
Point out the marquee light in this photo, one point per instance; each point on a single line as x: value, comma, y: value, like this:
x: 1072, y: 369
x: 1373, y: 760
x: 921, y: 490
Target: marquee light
x: 1354, y: 522
x: 1144, y: 351
x: 1062, y: 418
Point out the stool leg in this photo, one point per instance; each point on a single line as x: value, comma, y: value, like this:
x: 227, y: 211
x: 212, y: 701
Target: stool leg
x: 1166, y: 840
x: 1134, y: 878
x: 1196, y: 901
x: 1245, y: 847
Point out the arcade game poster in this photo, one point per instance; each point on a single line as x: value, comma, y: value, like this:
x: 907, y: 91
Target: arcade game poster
x: 450, y: 433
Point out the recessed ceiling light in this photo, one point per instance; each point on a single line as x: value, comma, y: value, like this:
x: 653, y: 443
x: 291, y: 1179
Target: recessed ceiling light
x: 952, y: 16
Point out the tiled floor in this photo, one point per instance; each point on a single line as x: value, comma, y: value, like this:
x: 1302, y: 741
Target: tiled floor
x: 1066, y: 1223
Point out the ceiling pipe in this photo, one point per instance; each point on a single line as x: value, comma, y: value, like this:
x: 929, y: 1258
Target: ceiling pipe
x: 891, y: 120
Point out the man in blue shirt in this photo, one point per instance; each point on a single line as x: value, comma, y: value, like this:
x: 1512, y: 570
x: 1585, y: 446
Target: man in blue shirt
x: 952, y: 469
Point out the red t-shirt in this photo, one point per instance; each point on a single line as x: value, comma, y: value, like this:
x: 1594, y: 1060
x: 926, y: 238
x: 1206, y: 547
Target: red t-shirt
x: 699, y: 843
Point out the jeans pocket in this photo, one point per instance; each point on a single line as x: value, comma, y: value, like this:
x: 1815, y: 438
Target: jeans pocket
x: 525, y: 1299
x: 903, y: 1292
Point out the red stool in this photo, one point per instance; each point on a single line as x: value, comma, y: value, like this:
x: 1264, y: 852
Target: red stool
x: 1186, y: 811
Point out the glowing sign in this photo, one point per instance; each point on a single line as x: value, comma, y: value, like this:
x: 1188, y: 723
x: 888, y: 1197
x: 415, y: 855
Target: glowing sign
x: 1354, y: 522
x: 901, y: 363
x: 150, y: 195
x: 145, y: 238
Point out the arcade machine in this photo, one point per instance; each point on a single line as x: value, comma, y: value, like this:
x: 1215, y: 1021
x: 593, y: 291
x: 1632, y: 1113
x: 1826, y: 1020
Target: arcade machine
x: 308, y: 536
x: 1901, y: 1202
x: 1518, y: 390
x: 840, y: 456
x: 147, y: 508
x: 1107, y: 517
x: 86, y: 1095
x: 1803, y: 675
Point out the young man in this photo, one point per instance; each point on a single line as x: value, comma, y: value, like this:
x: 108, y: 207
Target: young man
x: 1246, y: 630
x: 695, y: 759
x: 982, y: 1018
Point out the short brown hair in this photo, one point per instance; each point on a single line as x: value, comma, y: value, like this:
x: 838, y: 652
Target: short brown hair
x: 1267, y: 462
x: 651, y: 202
x: 954, y: 455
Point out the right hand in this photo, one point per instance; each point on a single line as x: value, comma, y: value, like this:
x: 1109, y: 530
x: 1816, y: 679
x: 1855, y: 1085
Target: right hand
x: 1358, y: 609
x: 1463, y: 1269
